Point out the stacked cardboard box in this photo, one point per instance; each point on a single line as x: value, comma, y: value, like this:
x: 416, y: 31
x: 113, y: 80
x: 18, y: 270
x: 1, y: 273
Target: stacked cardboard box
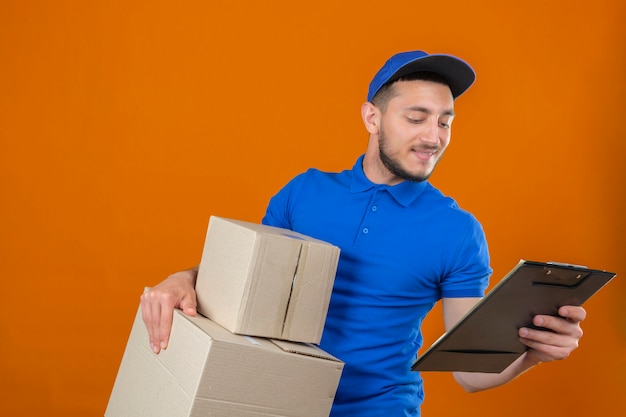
x: 265, y: 281
x: 220, y: 366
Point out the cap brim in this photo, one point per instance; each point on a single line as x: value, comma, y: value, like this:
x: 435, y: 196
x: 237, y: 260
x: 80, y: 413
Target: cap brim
x: 459, y: 75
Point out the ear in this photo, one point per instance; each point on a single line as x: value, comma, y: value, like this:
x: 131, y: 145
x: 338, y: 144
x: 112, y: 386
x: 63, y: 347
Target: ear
x: 371, y: 116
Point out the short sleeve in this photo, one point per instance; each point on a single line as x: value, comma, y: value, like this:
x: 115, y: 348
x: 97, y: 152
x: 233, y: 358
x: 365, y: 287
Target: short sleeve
x: 469, y: 270
x: 277, y: 213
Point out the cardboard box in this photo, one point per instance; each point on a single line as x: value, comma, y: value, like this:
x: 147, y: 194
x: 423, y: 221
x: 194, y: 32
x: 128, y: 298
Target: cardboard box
x: 265, y: 281
x: 208, y: 371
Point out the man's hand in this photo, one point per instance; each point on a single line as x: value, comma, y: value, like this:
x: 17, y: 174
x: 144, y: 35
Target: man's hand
x: 158, y: 304
x: 557, y: 342
x: 561, y: 341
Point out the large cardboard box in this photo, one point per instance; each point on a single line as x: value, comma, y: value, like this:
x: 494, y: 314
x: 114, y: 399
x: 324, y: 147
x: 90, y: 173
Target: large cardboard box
x: 265, y: 281
x: 208, y: 371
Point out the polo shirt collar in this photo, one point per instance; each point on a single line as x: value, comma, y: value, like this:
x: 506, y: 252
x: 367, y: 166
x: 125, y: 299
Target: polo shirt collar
x: 404, y: 193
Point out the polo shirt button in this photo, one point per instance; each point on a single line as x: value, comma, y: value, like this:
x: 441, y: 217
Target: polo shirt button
x: 374, y: 208
x: 365, y: 230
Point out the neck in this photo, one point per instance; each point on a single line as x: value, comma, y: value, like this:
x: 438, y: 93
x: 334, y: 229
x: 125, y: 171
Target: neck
x: 376, y: 171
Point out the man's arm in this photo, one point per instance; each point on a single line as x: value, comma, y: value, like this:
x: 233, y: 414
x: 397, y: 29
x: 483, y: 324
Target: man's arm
x: 158, y: 304
x: 545, y: 346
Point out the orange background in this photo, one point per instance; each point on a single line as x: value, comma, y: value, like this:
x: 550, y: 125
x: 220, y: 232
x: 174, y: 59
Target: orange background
x: 124, y: 125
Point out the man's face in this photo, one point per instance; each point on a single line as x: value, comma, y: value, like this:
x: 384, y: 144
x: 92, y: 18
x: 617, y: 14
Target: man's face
x: 415, y: 129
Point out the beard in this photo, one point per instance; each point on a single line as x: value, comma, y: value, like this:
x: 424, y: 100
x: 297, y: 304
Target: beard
x: 394, y: 166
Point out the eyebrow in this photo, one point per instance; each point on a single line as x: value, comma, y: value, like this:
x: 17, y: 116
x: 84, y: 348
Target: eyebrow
x: 428, y: 111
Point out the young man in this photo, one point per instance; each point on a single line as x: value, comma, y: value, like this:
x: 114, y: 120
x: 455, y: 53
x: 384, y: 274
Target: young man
x: 403, y: 246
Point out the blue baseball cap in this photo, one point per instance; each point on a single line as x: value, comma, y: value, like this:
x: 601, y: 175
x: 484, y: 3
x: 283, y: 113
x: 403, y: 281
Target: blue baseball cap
x: 459, y: 75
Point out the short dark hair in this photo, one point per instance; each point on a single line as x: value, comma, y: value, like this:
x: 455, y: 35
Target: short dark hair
x: 386, y: 93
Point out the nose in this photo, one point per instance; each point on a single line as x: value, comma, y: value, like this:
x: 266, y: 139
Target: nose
x: 430, y: 134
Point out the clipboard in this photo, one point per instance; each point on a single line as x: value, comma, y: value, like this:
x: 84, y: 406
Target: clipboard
x: 486, y: 339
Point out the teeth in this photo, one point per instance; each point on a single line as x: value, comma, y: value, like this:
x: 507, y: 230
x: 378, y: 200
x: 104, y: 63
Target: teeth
x: 429, y: 152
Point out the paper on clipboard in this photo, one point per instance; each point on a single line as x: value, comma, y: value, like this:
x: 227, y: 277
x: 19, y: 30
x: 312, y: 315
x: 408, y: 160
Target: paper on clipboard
x: 486, y: 340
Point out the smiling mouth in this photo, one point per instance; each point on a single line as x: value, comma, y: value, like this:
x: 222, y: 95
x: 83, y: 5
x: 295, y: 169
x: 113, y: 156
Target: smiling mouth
x: 425, y: 153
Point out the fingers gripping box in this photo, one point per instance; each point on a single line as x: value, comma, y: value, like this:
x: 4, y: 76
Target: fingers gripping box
x: 209, y: 371
x: 265, y: 281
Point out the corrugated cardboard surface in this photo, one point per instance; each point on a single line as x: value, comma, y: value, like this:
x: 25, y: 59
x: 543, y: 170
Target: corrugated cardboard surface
x: 265, y: 281
x: 208, y: 371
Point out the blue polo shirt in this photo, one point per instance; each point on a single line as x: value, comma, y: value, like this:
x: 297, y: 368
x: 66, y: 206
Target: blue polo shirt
x: 403, y: 248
